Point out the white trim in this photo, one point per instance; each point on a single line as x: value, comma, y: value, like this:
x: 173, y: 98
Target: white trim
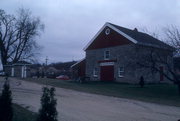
x: 107, y: 64
x: 92, y: 40
x: 120, y: 71
x: 21, y: 64
x: 22, y: 72
x: 107, y: 31
x: 105, y: 54
x: 95, y: 72
x: 77, y: 62
x: 122, y: 33
x: 25, y: 71
x: 115, y: 29
x: 12, y: 71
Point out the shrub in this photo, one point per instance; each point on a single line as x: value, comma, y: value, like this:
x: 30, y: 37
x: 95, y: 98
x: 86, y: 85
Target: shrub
x: 48, y: 110
x: 6, y: 110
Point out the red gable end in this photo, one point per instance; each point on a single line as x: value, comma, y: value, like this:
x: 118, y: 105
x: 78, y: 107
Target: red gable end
x: 108, y: 38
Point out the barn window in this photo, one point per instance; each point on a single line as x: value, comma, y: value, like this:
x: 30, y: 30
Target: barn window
x: 95, y: 72
x: 121, y: 71
x: 107, y: 31
x: 106, y: 55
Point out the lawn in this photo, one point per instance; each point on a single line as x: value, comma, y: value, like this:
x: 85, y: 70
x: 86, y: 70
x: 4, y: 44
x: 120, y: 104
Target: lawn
x: 156, y: 93
x: 22, y: 114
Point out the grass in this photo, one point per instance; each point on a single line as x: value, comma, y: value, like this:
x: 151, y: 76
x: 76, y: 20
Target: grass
x: 22, y: 114
x: 156, y: 93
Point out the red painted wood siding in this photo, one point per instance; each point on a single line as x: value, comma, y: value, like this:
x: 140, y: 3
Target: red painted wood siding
x: 82, y: 68
x: 79, y: 69
x: 110, y: 40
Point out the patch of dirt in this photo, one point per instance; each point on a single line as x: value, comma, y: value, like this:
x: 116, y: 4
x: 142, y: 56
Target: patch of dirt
x: 79, y: 106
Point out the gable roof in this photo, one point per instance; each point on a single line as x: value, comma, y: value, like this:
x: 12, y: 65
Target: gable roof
x: 19, y: 63
x: 78, y: 62
x: 134, y: 36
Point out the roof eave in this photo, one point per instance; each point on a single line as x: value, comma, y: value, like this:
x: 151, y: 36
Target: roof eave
x: 115, y: 29
x: 77, y: 62
x: 156, y: 46
x: 91, y: 41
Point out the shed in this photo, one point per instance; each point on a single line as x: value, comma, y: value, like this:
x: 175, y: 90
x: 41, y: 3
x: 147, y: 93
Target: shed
x: 78, y: 69
x: 20, y: 69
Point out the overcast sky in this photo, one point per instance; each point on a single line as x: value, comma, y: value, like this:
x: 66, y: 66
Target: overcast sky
x: 71, y: 24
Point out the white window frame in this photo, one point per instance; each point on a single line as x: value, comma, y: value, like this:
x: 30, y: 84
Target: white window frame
x: 95, y: 72
x: 121, y: 71
x: 105, y: 55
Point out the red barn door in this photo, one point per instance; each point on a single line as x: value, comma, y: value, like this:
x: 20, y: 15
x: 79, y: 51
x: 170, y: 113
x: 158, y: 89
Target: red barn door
x: 107, y: 73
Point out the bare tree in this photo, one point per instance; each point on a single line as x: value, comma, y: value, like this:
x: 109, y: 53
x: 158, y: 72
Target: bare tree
x: 154, y: 34
x: 172, y: 37
x: 153, y: 58
x: 18, y: 36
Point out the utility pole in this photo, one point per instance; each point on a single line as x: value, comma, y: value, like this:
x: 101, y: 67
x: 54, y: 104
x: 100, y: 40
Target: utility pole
x: 46, y: 60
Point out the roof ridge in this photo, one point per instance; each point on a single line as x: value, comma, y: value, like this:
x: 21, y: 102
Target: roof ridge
x: 140, y: 32
x: 115, y: 25
x: 135, y: 36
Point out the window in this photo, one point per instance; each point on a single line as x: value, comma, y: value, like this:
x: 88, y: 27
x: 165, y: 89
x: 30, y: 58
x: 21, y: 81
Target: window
x: 107, y: 31
x: 121, y: 72
x: 95, y: 72
x: 106, y: 55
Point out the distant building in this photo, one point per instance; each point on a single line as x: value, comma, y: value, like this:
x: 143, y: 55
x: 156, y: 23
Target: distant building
x: 20, y: 69
x: 113, y: 48
x: 78, y: 69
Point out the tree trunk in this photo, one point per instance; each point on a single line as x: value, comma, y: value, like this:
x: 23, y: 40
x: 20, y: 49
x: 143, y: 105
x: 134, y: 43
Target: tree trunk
x: 3, y: 62
x: 3, y: 54
x: 178, y: 87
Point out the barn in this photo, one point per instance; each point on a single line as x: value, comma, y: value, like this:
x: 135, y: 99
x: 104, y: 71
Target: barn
x: 113, y: 53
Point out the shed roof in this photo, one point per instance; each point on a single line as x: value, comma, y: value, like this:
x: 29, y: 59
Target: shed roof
x: 74, y: 65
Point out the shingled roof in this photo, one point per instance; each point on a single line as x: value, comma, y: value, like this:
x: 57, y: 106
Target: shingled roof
x: 18, y: 63
x: 143, y: 38
x: 135, y: 36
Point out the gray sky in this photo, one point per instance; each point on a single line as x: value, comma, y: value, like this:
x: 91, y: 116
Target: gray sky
x: 70, y: 24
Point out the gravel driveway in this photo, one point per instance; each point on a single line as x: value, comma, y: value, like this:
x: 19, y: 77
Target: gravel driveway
x: 79, y: 106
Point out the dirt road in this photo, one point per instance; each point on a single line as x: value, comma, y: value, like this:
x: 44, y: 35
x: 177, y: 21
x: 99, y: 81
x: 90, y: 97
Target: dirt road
x: 79, y: 106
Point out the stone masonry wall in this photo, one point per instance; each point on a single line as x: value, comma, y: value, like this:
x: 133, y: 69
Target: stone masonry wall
x: 126, y: 56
